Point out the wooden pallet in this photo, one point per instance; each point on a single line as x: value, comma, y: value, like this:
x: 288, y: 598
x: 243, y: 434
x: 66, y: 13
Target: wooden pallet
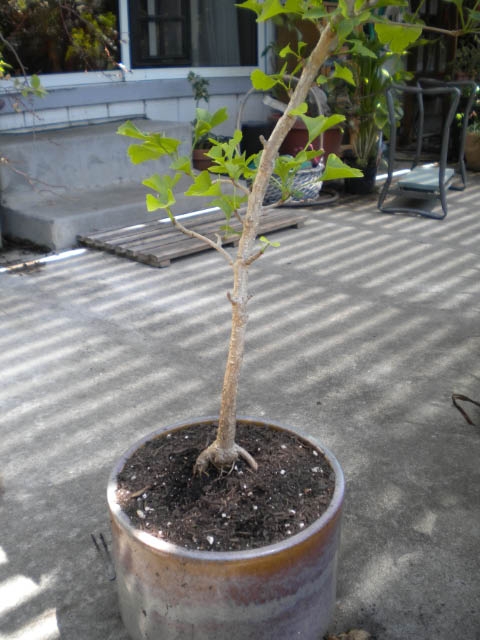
x: 157, y: 243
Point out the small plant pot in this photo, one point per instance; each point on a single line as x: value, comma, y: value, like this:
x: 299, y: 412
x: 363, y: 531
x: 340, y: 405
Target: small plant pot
x: 472, y: 151
x: 365, y: 184
x: 200, y: 161
x: 297, y: 139
x: 277, y: 592
x: 332, y: 142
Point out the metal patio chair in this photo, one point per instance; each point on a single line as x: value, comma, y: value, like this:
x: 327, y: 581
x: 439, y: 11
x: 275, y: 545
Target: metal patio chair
x: 418, y: 189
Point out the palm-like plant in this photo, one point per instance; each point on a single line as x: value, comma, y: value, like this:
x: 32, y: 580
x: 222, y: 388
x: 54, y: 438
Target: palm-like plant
x: 374, y: 68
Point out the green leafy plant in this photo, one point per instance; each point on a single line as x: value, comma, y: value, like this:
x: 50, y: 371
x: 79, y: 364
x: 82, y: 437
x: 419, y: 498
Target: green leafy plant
x: 50, y: 36
x: 374, y: 67
x: 226, y: 183
x: 467, y: 58
x: 199, y: 87
x: 473, y: 122
x: 474, y: 127
x: 92, y: 40
x: 25, y: 86
x: 204, y: 121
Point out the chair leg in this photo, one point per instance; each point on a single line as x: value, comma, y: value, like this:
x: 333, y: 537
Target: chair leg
x: 417, y: 211
x: 463, y: 177
x: 383, y: 194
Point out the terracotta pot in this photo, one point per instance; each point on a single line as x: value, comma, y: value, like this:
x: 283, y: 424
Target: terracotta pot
x: 297, y: 138
x: 282, y: 591
x: 472, y: 151
x: 332, y: 142
x: 199, y: 160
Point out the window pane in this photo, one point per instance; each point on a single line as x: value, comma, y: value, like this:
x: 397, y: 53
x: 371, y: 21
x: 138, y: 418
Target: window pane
x: 162, y: 40
x: 159, y: 32
x: 192, y: 32
x: 218, y: 37
x: 161, y: 8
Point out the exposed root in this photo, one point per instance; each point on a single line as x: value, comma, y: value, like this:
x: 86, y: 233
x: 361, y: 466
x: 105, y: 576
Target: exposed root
x: 354, y: 634
x: 250, y: 460
x: 222, y: 458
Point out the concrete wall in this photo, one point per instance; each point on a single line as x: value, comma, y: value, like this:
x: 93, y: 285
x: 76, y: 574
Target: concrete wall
x: 109, y: 98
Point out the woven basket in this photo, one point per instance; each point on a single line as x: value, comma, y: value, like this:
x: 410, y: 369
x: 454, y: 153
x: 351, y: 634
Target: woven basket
x: 306, y: 186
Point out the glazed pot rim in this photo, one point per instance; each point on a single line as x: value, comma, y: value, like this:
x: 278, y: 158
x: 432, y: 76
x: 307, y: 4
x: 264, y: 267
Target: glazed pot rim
x: 162, y: 546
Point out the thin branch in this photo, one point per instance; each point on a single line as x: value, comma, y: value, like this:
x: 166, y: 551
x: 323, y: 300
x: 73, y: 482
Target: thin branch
x: 255, y: 256
x: 198, y: 236
x: 446, y: 32
x: 30, y: 179
x: 238, y: 216
x: 275, y: 205
x: 370, y: 4
x: 237, y: 185
x: 13, y: 50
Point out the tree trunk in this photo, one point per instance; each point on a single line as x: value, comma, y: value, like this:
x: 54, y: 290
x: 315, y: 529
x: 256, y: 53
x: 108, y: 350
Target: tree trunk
x: 224, y: 451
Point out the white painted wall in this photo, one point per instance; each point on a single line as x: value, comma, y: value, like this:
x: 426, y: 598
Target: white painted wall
x: 171, y: 109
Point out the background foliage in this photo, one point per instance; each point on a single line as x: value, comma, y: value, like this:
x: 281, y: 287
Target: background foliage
x: 51, y: 36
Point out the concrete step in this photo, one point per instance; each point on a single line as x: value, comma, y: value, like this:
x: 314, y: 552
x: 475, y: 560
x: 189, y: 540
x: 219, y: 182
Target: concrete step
x: 58, y: 184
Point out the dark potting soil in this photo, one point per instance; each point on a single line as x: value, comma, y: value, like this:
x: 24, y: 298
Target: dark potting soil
x: 225, y: 511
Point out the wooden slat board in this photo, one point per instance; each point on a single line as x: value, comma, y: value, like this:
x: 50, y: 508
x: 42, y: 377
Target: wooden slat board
x: 157, y: 243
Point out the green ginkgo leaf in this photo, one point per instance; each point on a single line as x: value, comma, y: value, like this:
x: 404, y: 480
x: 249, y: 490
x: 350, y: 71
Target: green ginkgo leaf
x: 261, y: 81
x: 161, y: 183
x: 203, y: 186
x: 131, y: 131
x: 397, y: 36
x: 163, y: 201
x: 184, y: 164
x: 318, y: 125
x: 343, y: 73
x: 335, y: 169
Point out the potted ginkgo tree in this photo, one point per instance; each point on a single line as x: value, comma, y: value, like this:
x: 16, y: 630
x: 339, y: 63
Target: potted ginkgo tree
x: 228, y: 527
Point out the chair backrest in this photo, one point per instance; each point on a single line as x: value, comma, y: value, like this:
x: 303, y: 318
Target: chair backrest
x: 468, y: 89
x: 421, y: 92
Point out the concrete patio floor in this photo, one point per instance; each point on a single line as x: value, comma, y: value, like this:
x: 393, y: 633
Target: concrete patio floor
x: 362, y: 325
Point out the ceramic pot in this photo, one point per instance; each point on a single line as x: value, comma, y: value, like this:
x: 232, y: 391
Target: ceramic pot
x: 472, y: 151
x: 282, y: 591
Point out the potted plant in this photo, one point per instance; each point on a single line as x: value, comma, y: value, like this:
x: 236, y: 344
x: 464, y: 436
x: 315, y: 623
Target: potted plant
x: 466, y: 65
x: 204, y: 122
x: 322, y: 98
x: 472, y: 145
x: 471, y: 112
x: 321, y: 101
x: 284, y: 586
x: 373, y: 68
